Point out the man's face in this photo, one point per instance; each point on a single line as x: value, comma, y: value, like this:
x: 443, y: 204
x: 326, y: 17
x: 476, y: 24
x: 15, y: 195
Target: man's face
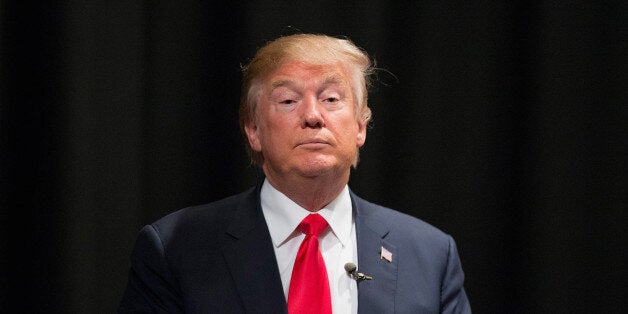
x: 305, y: 122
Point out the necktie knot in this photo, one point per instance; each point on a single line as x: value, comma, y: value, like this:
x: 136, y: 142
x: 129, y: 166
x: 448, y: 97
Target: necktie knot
x: 313, y: 225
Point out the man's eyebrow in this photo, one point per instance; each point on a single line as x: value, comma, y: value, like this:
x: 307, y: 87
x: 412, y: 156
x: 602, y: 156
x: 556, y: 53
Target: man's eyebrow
x: 281, y: 82
x: 334, y: 78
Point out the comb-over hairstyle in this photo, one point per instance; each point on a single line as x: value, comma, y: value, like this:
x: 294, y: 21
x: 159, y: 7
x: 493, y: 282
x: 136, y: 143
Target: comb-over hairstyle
x: 309, y: 48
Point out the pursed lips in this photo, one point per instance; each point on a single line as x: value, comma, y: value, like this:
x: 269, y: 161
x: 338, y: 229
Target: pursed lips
x: 313, y: 142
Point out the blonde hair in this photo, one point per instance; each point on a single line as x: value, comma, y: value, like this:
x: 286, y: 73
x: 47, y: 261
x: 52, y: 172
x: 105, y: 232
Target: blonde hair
x: 309, y: 48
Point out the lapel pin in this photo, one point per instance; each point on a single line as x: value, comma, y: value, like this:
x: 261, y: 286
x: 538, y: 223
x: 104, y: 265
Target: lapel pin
x: 385, y: 254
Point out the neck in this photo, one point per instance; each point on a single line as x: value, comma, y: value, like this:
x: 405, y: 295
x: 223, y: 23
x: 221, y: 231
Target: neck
x: 311, y: 193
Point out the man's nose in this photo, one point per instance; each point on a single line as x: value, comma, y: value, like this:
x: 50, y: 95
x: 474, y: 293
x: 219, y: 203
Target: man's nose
x: 312, y: 117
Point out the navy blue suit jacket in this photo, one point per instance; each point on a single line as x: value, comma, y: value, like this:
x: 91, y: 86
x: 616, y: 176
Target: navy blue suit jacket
x: 219, y: 258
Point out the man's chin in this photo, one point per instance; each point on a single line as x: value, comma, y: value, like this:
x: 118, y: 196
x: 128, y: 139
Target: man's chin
x: 320, y: 167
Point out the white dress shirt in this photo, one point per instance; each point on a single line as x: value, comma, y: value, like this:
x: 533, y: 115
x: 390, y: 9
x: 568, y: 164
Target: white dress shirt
x: 338, y: 243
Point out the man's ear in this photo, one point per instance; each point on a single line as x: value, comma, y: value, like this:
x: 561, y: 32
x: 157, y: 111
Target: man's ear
x: 252, y: 134
x: 361, y: 137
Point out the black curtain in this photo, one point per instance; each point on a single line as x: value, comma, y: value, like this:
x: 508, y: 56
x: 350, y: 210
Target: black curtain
x: 501, y: 122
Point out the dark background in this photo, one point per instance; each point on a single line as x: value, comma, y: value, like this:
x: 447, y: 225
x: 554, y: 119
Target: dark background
x: 501, y: 122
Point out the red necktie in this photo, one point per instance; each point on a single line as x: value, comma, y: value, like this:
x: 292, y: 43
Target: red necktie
x: 309, y: 286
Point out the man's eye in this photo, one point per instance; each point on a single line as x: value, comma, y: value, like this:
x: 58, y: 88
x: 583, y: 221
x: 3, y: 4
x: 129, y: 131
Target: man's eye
x: 331, y: 99
x: 287, y: 102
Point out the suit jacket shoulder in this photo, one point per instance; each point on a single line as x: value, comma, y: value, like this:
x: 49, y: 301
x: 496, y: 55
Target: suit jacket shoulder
x: 381, y: 217
x: 206, y: 221
x: 206, y: 259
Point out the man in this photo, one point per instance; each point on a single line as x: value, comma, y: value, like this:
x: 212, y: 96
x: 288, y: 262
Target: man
x: 283, y: 245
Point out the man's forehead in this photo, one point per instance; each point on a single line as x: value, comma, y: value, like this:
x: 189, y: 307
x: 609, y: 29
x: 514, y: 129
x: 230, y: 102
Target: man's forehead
x: 330, y: 79
x: 291, y: 73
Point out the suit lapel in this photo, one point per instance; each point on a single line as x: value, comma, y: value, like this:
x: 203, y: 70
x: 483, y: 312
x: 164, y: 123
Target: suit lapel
x: 248, y: 251
x: 376, y: 295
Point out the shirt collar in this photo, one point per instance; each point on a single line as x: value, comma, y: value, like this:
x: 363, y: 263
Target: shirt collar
x: 283, y: 215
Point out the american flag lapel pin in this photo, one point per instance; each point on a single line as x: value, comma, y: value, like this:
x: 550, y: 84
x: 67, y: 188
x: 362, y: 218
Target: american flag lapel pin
x: 386, y: 254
